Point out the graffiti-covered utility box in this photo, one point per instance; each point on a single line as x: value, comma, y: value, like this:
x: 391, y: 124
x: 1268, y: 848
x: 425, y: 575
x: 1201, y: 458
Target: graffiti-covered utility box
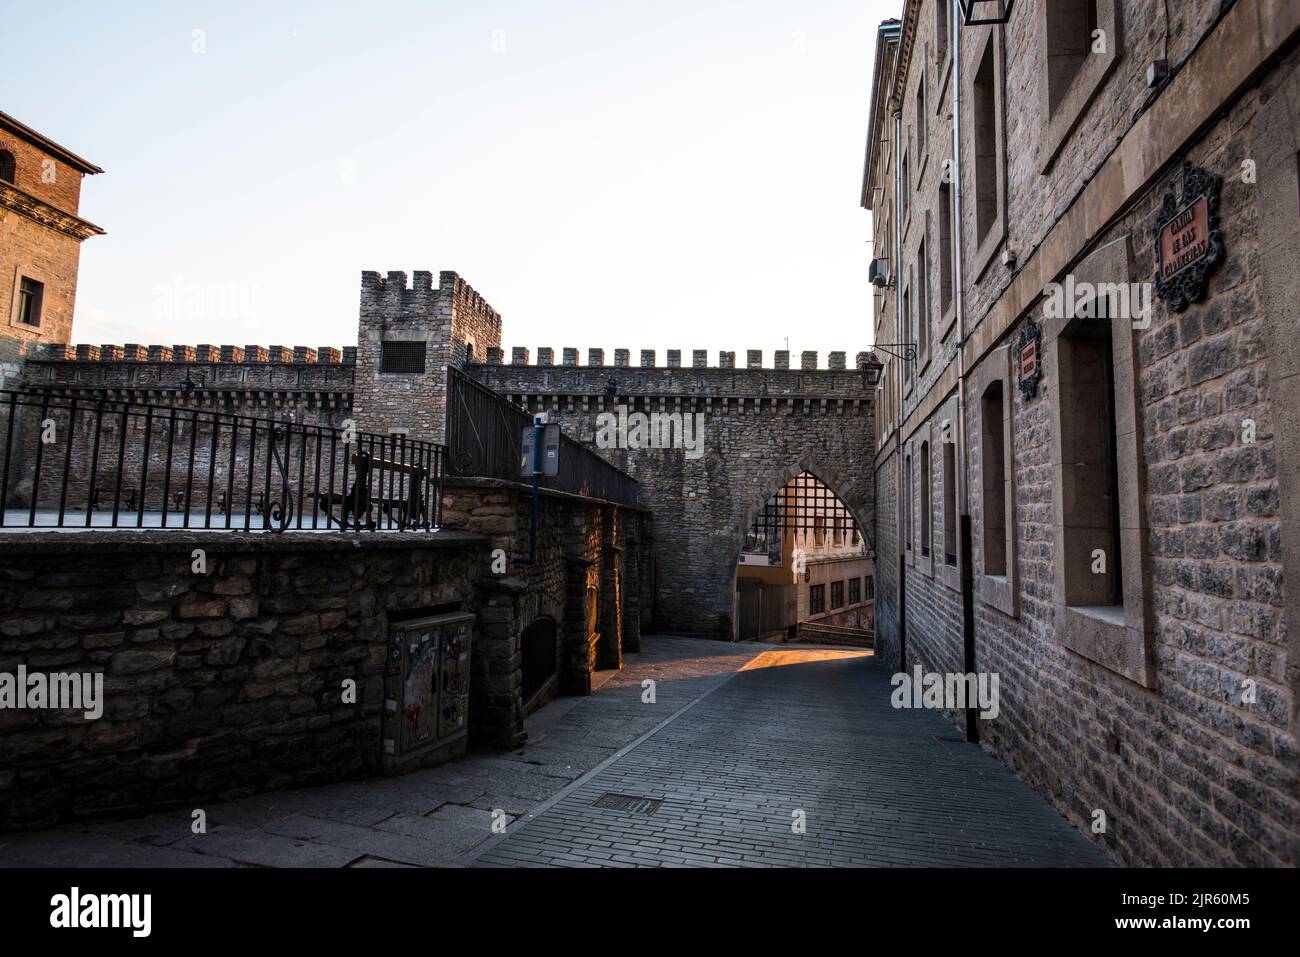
x: 426, y: 691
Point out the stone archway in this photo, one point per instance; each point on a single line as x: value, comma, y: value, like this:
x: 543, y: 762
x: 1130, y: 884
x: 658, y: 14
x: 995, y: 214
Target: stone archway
x: 861, y: 507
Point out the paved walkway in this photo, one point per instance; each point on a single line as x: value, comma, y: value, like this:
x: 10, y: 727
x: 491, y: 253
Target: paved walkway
x: 798, y: 739
x: 428, y: 817
x: 732, y: 755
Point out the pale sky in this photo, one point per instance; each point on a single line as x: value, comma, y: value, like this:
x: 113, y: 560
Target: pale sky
x: 613, y: 173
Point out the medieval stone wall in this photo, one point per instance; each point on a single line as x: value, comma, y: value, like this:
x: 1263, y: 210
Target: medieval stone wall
x: 761, y: 427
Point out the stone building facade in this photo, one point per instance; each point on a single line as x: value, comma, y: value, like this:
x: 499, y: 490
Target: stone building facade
x: 40, y: 242
x: 1084, y: 479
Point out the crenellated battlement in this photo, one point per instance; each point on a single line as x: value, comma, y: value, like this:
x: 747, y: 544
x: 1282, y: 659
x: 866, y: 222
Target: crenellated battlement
x: 204, y: 353
x: 754, y: 359
x: 393, y: 295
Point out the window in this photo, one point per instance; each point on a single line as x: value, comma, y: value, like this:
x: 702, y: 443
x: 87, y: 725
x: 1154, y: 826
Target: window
x: 1070, y: 25
x: 993, y: 514
x: 31, y: 295
x: 837, y: 595
x: 855, y: 590
x: 1082, y: 40
x: 946, y: 262
x: 907, y: 502
x: 920, y: 116
x: 925, y: 499
x: 922, y: 304
x: 1102, y: 606
x: 816, y: 599
x: 8, y: 167
x: 1090, y: 469
x: 869, y: 588
x: 402, y: 357
x: 907, y: 330
x: 819, y: 529
x: 905, y: 189
x: 985, y: 118
x: 839, y: 529
x: 950, y: 503
x: 942, y: 11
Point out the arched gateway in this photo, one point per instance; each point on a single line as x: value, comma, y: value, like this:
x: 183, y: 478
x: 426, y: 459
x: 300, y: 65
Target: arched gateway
x: 710, y: 446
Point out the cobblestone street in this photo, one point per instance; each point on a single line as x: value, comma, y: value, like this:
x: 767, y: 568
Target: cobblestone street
x: 732, y: 754
x: 799, y: 736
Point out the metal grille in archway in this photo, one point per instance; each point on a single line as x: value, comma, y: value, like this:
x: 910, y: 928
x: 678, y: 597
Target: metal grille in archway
x: 805, y: 504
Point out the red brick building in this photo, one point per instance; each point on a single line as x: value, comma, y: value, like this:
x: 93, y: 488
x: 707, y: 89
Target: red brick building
x: 40, y: 241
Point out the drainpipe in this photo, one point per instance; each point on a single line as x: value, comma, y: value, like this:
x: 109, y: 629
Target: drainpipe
x: 965, y: 546
x: 900, y: 336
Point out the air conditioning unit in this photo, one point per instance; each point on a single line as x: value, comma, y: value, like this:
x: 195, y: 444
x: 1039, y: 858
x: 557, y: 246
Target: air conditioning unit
x: 878, y: 272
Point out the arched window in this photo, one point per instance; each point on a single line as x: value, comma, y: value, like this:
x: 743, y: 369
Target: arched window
x: 8, y: 167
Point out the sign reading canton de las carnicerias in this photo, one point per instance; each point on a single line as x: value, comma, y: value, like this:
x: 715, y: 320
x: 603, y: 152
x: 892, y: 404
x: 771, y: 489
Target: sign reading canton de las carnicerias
x: 1188, y: 243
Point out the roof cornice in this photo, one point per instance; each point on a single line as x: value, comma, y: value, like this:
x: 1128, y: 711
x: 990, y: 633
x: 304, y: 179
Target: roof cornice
x: 886, y: 42
x: 40, y: 141
x: 904, y: 58
x: 37, y: 210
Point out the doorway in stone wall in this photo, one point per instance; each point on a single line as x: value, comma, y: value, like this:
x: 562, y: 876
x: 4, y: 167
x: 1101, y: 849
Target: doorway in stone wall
x: 540, y: 654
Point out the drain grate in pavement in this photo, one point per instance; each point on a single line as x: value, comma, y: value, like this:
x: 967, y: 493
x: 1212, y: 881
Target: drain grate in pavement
x: 626, y: 802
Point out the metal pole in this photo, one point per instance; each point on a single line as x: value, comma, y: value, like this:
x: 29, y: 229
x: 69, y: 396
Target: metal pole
x: 537, y: 491
x: 900, y: 494
x: 964, y: 546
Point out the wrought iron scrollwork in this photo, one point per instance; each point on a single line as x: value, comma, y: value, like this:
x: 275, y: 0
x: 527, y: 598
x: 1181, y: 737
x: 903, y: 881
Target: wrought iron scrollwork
x: 279, y: 513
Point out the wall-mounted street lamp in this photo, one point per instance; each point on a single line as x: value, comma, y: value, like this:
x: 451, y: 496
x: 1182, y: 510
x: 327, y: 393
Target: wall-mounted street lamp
x: 982, y: 13
x: 873, y: 367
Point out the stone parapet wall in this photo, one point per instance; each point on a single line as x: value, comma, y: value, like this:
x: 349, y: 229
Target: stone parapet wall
x: 315, y: 385
x: 587, y: 568
x: 808, y: 361
x: 217, y: 685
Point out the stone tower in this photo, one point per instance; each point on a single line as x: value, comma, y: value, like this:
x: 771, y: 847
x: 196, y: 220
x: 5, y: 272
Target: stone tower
x: 407, y: 336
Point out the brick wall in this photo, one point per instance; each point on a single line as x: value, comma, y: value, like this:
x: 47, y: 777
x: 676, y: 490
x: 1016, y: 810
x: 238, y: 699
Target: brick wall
x: 40, y: 239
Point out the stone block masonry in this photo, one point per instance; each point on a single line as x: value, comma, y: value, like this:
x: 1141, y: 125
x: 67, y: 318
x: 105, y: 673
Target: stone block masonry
x: 433, y: 327
x: 217, y: 685
x: 308, y: 385
x: 1169, y: 700
x: 586, y: 581
x: 761, y: 427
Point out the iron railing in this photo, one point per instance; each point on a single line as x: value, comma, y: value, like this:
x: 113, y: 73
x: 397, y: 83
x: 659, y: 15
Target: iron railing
x: 99, y: 462
x: 484, y: 429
